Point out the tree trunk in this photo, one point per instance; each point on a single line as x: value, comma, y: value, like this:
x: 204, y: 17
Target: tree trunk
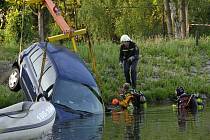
x: 41, y: 24
x: 168, y: 17
x: 187, y: 18
x: 183, y: 18
x: 163, y: 22
x: 175, y: 20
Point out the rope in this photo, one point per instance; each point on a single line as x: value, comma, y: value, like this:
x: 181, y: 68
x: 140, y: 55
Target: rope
x: 9, y: 114
x: 6, y: 115
x: 21, y: 35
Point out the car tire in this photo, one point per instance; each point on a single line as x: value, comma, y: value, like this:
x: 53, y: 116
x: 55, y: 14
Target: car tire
x: 14, y: 80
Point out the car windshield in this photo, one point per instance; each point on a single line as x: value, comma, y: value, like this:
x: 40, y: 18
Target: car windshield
x: 77, y: 96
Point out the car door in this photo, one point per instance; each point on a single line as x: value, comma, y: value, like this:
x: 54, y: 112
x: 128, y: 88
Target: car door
x: 48, y: 72
x: 27, y: 72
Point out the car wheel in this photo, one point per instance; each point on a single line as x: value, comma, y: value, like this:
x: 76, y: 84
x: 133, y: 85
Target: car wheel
x: 14, y: 79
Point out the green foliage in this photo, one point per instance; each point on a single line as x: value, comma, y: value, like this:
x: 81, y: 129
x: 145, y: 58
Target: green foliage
x: 110, y: 18
x: 199, y: 11
x: 12, y: 19
x: 14, y: 26
x: 97, y: 17
x: 54, y: 29
x: 106, y: 19
x: 1, y: 36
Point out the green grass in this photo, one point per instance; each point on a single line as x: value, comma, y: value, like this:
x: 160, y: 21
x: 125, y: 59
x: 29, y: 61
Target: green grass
x: 8, y: 53
x: 164, y: 65
x: 8, y: 98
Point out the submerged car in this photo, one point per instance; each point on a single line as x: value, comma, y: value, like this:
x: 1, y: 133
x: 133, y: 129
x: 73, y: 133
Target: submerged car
x: 64, y: 80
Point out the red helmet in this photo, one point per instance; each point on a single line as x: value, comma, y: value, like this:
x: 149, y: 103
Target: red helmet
x: 115, y: 101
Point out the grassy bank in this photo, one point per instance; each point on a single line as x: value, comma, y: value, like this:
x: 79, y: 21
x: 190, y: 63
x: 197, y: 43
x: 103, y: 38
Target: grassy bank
x: 163, y: 66
x: 8, y: 98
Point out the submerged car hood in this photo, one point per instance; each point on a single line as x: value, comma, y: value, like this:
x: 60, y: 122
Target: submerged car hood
x: 69, y: 65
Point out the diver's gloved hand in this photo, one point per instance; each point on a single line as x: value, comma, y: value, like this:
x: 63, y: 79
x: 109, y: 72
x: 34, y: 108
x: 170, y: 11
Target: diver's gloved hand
x: 121, y: 64
x: 130, y: 59
x: 122, y: 96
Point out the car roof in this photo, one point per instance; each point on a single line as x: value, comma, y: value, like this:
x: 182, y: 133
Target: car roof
x: 68, y: 65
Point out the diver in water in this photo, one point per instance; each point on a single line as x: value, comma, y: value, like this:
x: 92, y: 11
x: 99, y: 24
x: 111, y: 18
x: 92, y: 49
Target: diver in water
x: 185, y: 101
x: 180, y: 91
x: 129, y: 98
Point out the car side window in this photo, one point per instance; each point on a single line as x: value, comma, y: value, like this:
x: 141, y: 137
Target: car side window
x: 36, y: 60
x: 36, y: 54
x: 48, y: 79
x: 37, y: 66
x: 49, y: 74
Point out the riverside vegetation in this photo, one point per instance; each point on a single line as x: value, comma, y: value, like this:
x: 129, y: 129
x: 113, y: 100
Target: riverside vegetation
x: 164, y: 65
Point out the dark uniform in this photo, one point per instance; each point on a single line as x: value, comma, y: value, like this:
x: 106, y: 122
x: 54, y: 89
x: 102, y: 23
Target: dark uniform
x: 129, y: 56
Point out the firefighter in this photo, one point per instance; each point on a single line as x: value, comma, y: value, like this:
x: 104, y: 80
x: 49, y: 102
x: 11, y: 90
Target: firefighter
x: 129, y: 56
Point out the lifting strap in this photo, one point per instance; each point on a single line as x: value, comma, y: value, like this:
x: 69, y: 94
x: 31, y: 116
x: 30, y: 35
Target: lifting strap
x: 42, y: 68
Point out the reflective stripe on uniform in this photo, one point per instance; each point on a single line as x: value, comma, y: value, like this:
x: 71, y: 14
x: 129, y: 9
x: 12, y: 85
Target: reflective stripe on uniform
x: 128, y: 50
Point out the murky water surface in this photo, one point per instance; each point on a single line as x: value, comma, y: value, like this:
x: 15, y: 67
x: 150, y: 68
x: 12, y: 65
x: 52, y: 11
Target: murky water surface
x: 158, y: 123
x: 154, y: 123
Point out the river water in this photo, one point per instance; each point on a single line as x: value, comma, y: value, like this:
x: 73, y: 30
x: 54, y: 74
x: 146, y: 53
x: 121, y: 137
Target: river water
x: 158, y: 123
x: 154, y: 123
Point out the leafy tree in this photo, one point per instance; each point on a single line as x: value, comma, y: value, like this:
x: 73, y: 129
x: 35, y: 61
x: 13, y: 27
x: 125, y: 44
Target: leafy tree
x: 14, y: 23
x: 199, y: 11
x: 109, y: 19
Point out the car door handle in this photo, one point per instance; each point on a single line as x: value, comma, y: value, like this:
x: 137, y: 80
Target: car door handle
x: 24, y: 65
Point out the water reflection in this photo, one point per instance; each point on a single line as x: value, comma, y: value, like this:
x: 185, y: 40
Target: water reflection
x: 156, y: 122
x: 88, y: 128
x: 185, y: 117
x: 132, y: 122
